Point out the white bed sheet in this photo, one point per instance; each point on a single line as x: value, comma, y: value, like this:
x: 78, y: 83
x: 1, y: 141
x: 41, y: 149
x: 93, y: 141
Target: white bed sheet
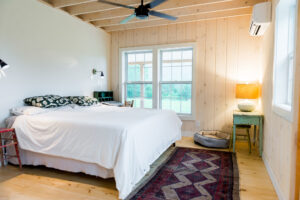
x: 125, y: 140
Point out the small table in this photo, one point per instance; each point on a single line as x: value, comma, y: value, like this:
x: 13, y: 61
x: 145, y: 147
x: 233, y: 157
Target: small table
x: 248, y: 118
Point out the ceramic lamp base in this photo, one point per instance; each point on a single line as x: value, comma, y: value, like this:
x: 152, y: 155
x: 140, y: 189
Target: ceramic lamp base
x: 246, y: 106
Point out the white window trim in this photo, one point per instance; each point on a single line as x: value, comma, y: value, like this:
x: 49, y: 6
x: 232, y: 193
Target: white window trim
x: 284, y: 110
x: 155, y: 50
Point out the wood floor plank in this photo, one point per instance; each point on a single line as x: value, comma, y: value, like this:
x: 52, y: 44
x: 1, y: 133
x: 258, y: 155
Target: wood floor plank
x: 40, y: 183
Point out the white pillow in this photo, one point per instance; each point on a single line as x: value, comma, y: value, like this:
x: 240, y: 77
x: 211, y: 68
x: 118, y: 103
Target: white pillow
x: 27, y: 110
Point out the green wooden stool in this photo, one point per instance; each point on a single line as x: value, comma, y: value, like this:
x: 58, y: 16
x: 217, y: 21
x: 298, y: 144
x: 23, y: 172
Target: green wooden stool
x: 247, y: 128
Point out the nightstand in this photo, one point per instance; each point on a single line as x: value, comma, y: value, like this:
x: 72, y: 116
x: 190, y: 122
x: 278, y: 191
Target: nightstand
x: 8, y: 138
x: 248, y: 118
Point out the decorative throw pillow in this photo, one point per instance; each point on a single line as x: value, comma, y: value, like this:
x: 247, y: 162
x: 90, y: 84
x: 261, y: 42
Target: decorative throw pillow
x: 63, y: 101
x: 47, y: 101
x: 83, y: 100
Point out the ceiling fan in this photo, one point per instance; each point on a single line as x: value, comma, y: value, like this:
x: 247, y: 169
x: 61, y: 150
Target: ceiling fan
x: 143, y: 11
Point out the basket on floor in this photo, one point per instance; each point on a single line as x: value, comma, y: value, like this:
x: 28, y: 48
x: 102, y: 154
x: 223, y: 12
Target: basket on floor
x: 212, y: 139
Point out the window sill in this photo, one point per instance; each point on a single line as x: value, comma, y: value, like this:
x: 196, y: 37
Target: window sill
x: 284, y: 111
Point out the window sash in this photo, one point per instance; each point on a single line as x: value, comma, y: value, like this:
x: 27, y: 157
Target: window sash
x: 284, y: 53
x: 140, y: 82
x: 177, y: 83
x: 137, y: 62
x: 142, y: 95
x: 161, y: 51
x: 284, y: 58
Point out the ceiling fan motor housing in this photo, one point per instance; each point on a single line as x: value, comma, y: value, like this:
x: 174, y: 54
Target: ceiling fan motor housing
x: 142, y: 12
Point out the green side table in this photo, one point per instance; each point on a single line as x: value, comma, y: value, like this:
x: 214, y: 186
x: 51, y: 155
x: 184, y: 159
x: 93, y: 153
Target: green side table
x: 248, y: 118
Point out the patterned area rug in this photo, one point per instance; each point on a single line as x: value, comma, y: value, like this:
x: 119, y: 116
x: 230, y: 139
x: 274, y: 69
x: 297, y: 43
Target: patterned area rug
x: 194, y: 174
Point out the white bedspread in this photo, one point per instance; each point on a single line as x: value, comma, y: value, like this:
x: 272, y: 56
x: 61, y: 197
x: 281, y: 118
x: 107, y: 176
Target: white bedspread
x: 126, y: 140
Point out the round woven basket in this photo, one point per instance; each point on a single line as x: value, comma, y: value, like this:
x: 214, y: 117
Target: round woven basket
x: 213, y: 139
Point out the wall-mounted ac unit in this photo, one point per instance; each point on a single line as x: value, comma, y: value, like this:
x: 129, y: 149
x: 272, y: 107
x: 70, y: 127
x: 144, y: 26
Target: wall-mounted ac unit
x: 261, y: 18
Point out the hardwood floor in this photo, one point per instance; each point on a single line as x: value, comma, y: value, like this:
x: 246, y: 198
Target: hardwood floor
x: 254, y: 179
x: 39, y: 183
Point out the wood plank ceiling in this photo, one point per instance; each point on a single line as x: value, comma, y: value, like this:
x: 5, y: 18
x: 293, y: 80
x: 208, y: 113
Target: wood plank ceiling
x: 108, y: 17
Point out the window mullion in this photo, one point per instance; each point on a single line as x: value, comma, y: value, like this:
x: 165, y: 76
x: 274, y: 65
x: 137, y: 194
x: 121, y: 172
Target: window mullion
x: 155, y: 79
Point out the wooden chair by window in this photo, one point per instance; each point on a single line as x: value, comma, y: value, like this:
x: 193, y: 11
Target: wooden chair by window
x: 129, y: 103
x: 247, y: 135
x: 246, y: 119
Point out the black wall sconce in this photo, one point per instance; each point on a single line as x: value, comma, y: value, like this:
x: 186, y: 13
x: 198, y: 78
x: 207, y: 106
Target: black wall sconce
x: 3, y: 65
x: 95, y: 72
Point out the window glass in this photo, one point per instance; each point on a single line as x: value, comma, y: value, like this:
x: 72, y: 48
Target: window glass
x: 141, y: 94
x: 173, y: 75
x: 139, y: 78
x: 177, y: 97
x: 285, y: 26
x: 176, y: 80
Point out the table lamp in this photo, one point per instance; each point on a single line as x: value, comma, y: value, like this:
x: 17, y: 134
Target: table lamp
x: 247, y: 92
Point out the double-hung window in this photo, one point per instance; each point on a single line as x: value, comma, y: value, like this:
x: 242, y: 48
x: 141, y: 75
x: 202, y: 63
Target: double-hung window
x: 159, y: 77
x: 176, y: 80
x: 284, y: 57
x: 139, y: 78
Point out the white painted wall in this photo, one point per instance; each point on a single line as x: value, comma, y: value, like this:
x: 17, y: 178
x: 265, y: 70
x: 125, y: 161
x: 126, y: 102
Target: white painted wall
x: 49, y: 51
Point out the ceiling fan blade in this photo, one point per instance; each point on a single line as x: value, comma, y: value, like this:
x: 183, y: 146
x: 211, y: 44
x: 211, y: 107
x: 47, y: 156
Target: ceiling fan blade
x: 162, y: 15
x: 116, y: 4
x: 155, y: 3
x: 127, y: 19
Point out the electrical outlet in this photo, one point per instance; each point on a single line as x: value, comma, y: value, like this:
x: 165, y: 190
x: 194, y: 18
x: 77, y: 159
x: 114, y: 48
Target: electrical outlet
x: 197, y: 123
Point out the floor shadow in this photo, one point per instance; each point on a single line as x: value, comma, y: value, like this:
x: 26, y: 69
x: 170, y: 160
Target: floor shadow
x: 43, y: 171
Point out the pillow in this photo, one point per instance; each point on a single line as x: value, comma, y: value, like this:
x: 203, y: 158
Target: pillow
x: 26, y: 110
x: 47, y: 101
x: 83, y: 100
x: 63, y: 101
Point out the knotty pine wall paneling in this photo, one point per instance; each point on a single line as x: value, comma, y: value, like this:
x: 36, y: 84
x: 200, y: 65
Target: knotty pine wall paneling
x: 225, y: 51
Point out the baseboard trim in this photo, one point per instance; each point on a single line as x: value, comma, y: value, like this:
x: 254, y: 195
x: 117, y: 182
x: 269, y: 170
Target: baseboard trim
x: 187, y: 133
x: 273, y: 179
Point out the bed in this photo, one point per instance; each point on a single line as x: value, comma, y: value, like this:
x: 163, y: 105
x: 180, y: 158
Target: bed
x: 104, y: 141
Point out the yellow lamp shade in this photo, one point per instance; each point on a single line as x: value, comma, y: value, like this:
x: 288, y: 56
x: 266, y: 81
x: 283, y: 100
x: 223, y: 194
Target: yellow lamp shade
x: 247, y: 91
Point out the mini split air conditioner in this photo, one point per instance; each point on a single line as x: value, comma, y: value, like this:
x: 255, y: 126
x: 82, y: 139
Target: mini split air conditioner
x: 261, y: 18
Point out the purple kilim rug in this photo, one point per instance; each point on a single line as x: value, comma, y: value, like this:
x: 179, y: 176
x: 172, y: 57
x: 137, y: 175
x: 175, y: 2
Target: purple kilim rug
x: 195, y: 174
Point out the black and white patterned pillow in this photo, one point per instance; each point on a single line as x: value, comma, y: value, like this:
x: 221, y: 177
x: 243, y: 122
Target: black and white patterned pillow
x: 63, y: 101
x: 83, y: 100
x: 47, y: 101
